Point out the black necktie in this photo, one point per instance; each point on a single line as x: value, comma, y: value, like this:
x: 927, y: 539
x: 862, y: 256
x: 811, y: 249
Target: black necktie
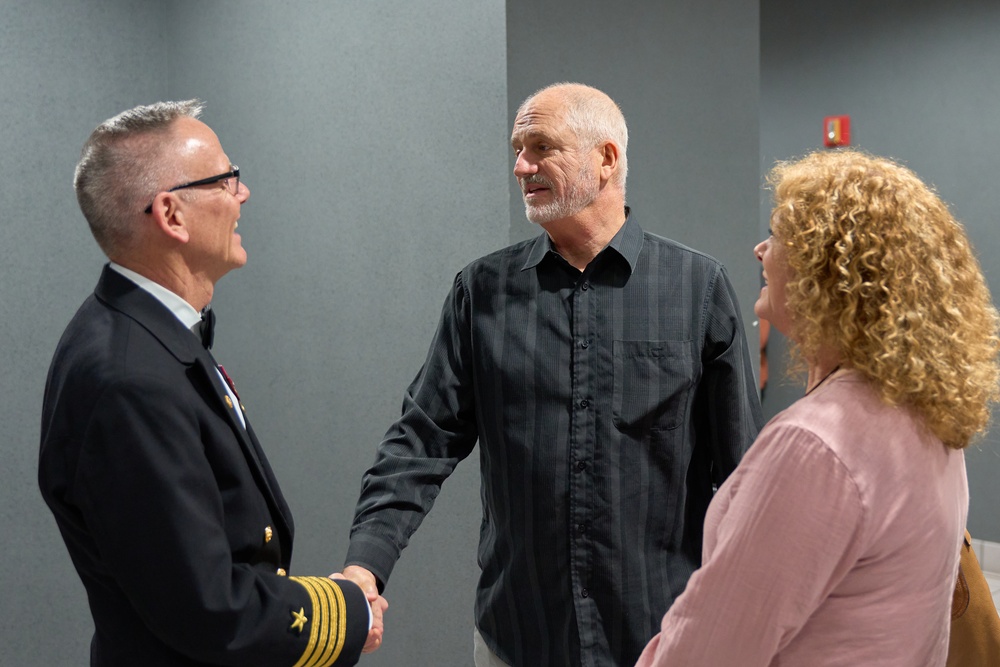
x: 207, y: 327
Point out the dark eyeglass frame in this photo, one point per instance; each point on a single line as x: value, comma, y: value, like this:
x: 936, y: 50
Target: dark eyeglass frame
x: 234, y: 173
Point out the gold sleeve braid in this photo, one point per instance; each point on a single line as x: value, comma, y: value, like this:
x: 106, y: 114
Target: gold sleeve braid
x: 328, y: 626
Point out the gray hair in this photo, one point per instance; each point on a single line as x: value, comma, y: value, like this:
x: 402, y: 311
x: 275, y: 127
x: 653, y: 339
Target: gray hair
x: 595, y: 118
x: 121, y: 169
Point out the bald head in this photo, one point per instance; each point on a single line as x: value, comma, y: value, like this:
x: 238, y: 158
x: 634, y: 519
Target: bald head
x: 590, y: 114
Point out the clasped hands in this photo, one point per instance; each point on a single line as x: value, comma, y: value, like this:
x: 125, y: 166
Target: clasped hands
x: 366, y: 580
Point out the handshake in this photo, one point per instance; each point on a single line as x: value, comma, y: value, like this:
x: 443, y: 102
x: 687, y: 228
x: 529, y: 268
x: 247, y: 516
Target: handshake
x: 366, y: 581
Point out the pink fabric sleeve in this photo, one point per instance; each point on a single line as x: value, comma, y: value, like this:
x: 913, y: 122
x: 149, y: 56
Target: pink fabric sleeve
x: 786, y: 528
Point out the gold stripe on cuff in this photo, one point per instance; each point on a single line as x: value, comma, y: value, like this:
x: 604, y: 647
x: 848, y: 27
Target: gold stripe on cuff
x: 329, y: 610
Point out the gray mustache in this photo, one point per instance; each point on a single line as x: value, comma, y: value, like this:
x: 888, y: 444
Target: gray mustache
x: 534, y: 179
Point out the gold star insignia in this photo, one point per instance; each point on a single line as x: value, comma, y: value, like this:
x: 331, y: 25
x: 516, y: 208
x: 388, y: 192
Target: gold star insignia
x: 300, y: 620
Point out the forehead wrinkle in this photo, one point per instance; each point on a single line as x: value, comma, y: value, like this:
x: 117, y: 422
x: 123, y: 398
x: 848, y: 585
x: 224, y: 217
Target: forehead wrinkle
x: 534, y: 127
x: 527, y: 134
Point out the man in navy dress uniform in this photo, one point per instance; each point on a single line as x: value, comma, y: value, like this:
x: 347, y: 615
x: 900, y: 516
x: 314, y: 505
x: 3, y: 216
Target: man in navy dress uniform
x: 163, y: 495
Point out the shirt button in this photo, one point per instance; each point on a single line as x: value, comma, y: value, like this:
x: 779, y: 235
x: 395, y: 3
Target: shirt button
x: 584, y: 403
x: 586, y: 286
x: 581, y: 465
x: 582, y: 527
x: 585, y: 344
x: 585, y: 593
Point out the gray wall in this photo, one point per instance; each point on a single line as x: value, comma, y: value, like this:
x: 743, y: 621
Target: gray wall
x: 919, y: 80
x: 371, y: 136
x: 66, y: 66
x: 373, y: 139
x: 377, y: 128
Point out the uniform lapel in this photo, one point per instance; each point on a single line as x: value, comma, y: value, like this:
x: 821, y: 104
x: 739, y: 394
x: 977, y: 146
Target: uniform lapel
x: 125, y: 296
x: 247, y: 438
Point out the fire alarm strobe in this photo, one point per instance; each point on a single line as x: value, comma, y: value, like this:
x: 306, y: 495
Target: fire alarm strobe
x: 836, y: 131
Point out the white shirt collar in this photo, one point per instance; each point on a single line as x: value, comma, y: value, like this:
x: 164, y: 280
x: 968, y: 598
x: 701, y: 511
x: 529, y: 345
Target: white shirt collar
x: 181, y: 309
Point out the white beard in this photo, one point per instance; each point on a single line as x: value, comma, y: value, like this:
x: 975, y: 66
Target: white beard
x: 582, y: 193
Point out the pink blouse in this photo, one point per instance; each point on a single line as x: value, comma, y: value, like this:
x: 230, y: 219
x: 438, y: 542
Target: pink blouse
x: 835, y: 542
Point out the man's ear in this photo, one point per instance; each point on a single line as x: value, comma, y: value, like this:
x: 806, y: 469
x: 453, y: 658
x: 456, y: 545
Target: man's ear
x: 169, y: 217
x: 609, y: 160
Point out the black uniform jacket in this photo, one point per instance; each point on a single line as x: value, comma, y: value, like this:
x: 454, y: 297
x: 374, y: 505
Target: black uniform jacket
x: 168, y: 506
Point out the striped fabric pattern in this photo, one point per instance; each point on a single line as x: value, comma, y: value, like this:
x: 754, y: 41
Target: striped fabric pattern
x: 606, y: 403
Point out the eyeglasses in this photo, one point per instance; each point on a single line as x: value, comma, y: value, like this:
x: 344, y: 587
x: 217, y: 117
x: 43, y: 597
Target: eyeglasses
x: 231, y: 178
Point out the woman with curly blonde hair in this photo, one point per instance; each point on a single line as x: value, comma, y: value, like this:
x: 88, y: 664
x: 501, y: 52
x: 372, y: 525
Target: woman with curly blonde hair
x: 836, y: 540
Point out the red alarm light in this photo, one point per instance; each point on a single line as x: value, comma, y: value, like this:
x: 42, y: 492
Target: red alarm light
x: 836, y: 131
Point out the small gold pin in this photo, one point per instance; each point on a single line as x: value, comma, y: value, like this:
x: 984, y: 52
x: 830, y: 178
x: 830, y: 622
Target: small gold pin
x: 229, y: 403
x: 300, y: 619
x: 281, y: 572
x: 268, y: 534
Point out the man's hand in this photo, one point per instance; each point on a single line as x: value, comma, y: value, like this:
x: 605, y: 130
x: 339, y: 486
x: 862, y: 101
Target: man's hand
x: 379, y: 605
x: 366, y: 580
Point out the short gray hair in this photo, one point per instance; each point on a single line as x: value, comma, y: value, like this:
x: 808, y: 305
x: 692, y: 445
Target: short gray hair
x: 594, y: 117
x: 121, y: 168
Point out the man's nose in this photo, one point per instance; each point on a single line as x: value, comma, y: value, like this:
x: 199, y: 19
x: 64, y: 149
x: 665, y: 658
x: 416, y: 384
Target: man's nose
x: 243, y: 193
x: 523, y: 166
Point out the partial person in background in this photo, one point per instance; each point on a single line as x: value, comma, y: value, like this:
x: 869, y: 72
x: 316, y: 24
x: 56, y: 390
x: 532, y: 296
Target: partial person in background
x: 162, y: 493
x: 605, y: 374
x: 765, y: 334
x: 836, y: 541
x: 975, y: 625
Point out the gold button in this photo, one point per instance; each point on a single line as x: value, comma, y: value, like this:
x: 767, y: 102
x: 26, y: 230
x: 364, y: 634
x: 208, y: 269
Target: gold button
x: 229, y: 403
x: 281, y: 572
x: 268, y: 533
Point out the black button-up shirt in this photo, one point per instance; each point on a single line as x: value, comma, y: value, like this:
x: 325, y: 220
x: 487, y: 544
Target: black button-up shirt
x: 607, y: 403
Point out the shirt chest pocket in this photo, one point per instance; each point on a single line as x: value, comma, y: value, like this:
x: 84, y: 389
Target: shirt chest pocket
x: 653, y: 381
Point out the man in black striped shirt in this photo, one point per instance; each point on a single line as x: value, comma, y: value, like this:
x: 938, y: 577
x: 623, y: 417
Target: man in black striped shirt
x: 605, y: 374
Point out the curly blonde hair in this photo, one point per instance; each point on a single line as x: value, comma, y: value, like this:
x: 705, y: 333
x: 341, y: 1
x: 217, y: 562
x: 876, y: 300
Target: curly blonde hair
x: 886, y: 276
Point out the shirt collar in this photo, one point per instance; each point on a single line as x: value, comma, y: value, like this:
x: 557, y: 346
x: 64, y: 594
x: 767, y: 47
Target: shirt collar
x: 627, y: 242
x: 181, y: 309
